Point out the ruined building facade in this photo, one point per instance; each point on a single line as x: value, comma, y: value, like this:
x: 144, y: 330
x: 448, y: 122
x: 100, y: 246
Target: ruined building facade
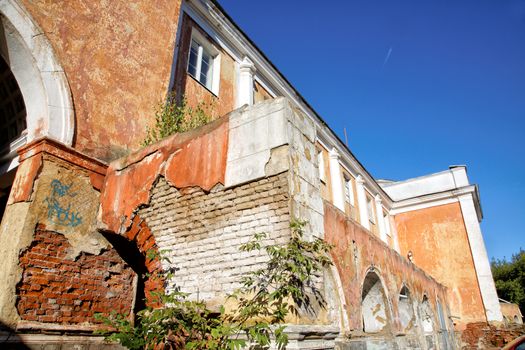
x: 83, y: 202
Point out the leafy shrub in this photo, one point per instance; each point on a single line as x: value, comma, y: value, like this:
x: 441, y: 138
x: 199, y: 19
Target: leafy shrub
x: 172, y: 117
x: 286, y: 284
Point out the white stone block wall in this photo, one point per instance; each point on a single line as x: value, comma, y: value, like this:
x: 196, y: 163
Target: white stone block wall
x: 201, y: 232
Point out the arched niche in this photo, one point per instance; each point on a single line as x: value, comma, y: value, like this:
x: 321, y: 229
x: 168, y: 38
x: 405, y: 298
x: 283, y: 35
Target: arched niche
x: 405, y: 309
x: 41, y: 80
x: 427, y: 316
x: 374, y: 304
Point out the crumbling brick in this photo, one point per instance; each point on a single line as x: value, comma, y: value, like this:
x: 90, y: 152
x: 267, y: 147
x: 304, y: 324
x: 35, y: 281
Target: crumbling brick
x: 59, y: 290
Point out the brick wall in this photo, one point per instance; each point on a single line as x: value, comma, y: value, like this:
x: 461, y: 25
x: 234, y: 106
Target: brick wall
x: 57, y: 289
x: 202, y: 231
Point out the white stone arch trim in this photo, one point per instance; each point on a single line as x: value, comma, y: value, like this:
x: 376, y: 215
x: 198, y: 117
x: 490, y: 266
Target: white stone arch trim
x: 387, y: 302
x: 339, y: 293
x: 41, y: 79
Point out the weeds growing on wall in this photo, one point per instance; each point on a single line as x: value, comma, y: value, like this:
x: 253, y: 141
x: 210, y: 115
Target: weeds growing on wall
x: 173, y: 117
x: 285, y: 285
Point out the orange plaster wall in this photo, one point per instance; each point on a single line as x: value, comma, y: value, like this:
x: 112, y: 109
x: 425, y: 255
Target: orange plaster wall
x: 355, y: 250
x: 194, y: 158
x: 117, y: 56
x: 260, y: 93
x: 438, y: 240
x: 193, y: 90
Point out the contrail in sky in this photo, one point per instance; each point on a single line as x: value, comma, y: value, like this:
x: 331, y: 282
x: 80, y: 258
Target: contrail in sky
x: 387, y: 57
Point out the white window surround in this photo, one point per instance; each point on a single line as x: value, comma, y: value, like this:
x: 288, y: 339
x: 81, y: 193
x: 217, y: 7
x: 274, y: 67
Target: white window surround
x: 41, y: 79
x: 320, y: 162
x: 370, y: 209
x: 205, y: 47
x: 349, y: 190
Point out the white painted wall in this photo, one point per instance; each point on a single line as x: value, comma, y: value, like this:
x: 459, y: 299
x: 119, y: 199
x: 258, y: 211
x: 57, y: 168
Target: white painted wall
x: 481, y: 259
x: 420, y: 186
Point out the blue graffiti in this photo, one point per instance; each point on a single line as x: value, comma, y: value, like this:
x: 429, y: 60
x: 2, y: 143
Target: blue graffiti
x: 56, y: 212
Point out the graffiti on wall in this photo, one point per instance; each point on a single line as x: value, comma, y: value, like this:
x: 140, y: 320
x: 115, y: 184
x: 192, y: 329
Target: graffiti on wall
x: 57, y: 211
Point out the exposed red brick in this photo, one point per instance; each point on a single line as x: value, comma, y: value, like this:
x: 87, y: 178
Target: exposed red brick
x: 54, y: 289
x: 481, y: 335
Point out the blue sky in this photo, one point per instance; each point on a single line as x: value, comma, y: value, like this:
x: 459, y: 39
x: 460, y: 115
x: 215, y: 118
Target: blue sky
x: 419, y: 85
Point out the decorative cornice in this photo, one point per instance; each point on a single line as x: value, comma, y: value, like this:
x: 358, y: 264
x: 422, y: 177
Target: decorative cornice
x: 61, y: 151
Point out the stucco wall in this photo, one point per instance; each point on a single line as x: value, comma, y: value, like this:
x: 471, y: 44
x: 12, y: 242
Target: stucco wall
x: 357, y: 253
x: 438, y: 240
x: 117, y: 56
x: 185, y: 85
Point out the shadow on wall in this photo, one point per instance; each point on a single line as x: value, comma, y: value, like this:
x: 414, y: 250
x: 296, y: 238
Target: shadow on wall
x: 9, y: 340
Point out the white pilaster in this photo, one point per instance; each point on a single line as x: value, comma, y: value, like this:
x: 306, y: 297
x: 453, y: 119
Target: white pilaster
x: 338, y: 193
x: 481, y: 259
x: 380, y: 220
x: 361, y: 199
x: 245, y: 88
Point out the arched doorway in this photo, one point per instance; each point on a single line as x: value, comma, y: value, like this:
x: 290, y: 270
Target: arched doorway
x: 12, y: 128
x: 374, y: 305
x: 35, y: 98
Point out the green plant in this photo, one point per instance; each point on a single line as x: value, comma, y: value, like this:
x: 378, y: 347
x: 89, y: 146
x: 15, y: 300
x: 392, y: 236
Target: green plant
x: 509, y: 277
x: 173, y: 117
x: 285, y: 285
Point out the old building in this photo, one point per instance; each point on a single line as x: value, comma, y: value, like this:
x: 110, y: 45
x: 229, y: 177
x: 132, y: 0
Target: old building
x: 83, y: 202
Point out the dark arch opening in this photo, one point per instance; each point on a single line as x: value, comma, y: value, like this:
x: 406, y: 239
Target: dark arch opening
x: 12, y: 127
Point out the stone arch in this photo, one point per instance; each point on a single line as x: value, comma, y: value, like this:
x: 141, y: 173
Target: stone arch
x: 41, y: 79
x: 135, y: 247
x: 374, y: 304
x: 405, y: 308
x: 427, y: 316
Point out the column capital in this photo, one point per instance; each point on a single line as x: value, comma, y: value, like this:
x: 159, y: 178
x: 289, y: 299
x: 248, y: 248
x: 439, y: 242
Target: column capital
x: 377, y: 198
x: 247, y: 66
x: 333, y: 153
x: 359, y: 179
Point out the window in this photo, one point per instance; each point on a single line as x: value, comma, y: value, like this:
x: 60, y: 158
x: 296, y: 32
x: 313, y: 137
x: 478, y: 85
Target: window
x: 370, y: 209
x: 320, y: 162
x: 386, y: 221
x: 200, y: 64
x: 349, y: 190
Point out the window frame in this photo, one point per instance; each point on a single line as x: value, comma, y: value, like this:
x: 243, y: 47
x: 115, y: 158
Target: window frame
x: 321, y: 164
x: 370, y: 209
x: 205, y: 46
x: 349, y: 189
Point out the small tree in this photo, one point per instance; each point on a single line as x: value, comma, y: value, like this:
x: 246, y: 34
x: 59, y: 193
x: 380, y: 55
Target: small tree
x: 509, y: 277
x: 173, y: 117
x: 286, y: 284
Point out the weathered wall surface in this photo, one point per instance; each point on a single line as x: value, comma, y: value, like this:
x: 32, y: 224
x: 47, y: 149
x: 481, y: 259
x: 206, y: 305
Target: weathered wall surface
x: 115, y: 79
x: 260, y: 93
x: 58, y: 270
x: 57, y: 289
x: 511, y: 313
x: 195, y: 158
x: 202, y: 231
x: 356, y: 253
x: 194, y: 91
x: 438, y: 240
x: 483, y: 336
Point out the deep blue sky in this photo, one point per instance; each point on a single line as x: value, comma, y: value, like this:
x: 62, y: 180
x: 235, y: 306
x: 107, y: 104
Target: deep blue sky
x: 451, y: 91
